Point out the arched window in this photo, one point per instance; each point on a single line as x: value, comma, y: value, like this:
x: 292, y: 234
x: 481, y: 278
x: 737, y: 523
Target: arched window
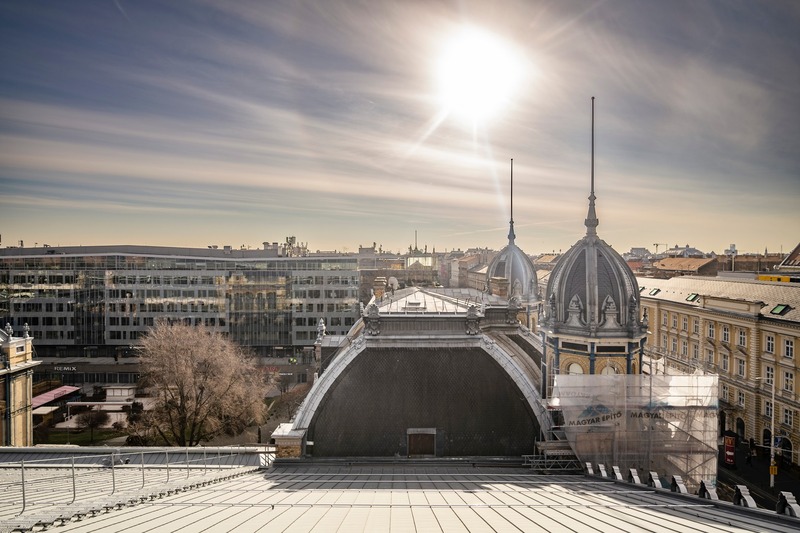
x: 609, y: 369
x: 574, y: 368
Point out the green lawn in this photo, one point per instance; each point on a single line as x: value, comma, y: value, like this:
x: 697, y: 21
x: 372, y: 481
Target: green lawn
x: 80, y: 437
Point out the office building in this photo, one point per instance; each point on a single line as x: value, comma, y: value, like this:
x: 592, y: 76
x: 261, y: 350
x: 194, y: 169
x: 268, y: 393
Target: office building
x: 98, y: 301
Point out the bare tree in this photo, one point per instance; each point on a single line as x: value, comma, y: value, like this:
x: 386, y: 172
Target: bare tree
x: 92, y: 420
x: 204, y: 384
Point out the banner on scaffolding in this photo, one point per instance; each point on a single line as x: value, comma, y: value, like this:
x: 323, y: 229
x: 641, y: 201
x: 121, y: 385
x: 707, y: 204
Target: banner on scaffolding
x: 663, y: 423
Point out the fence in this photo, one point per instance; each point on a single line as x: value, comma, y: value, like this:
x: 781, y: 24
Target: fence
x: 56, y: 485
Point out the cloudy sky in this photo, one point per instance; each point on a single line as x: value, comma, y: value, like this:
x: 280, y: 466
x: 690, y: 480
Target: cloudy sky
x: 345, y: 123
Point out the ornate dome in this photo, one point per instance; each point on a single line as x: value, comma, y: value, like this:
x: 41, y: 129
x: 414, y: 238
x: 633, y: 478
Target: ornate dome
x: 513, y: 265
x: 592, y: 291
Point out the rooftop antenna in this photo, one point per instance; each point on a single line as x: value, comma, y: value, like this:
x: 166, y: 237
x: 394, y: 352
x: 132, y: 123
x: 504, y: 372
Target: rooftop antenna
x: 511, y: 235
x: 591, y: 218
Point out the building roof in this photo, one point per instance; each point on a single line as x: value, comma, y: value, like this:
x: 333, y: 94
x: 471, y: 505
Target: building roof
x: 684, y: 264
x: 53, y: 395
x: 792, y: 261
x: 771, y: 293
x: 394, y: 498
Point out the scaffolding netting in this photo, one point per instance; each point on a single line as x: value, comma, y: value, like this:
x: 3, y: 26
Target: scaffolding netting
x: 663, y: 423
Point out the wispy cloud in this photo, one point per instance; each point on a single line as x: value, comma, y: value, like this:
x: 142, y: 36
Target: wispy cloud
x: 321, y: 120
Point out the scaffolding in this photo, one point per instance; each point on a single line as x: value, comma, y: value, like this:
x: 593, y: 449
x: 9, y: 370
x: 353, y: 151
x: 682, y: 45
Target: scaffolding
x: 661, y: 423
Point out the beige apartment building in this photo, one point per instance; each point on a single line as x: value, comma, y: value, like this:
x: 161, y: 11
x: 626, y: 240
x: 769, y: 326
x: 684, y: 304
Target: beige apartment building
x: 745, y: 330
x: 16, y: 380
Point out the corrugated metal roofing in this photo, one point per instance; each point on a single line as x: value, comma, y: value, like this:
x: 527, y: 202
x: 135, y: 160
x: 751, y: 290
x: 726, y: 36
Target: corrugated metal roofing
x: 425, y: 498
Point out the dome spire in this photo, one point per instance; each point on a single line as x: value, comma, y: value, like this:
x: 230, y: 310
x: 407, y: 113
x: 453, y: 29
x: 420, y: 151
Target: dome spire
x: 591, y: 218
x: 511, y: 235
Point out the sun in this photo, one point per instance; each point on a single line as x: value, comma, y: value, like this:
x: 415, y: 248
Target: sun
x: 477, y: 75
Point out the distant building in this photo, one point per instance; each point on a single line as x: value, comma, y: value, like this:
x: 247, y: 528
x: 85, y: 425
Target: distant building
x: 99, y: 300
x: 683, y: 251
x: 682, y: 266
x: 791, y: 263
x: 16, y: 381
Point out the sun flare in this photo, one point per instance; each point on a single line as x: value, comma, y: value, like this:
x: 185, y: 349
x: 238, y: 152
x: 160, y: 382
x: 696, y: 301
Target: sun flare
x: 477, y: 75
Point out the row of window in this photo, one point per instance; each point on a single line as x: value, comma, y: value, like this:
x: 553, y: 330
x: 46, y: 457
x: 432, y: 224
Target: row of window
x: 741, y: 401
x: 725, y: 331
x: 322, y: 308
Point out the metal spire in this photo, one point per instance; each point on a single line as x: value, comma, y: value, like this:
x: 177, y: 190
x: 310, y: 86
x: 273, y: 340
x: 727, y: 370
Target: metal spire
x: 591, y: 218
x: 511, y: 235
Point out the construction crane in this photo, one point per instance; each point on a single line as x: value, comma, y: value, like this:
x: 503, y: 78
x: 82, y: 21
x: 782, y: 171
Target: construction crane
x: 657, y: 244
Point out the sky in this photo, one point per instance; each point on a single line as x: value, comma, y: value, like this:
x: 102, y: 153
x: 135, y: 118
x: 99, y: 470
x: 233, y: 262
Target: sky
x: 196, y: 123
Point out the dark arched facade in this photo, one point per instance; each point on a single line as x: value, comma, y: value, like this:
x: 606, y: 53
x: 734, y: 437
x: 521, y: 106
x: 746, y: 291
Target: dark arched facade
x: 385, y: 394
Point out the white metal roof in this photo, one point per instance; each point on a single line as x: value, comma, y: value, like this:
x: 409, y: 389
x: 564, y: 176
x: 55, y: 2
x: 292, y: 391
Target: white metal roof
x: 397, y: 498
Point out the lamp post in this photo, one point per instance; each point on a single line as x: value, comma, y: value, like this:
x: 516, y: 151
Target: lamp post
x: 771, y: 437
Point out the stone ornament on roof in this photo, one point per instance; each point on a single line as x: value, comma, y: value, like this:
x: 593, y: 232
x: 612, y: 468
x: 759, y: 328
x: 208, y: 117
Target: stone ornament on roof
x: 373, y: 319
x: 513, y: 309
x: 9, y: 330
x: 472, y: 321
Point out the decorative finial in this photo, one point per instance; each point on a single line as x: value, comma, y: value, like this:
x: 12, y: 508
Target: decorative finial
x: 511, y: 235
x: 9, y: 330
x: 591, y: 218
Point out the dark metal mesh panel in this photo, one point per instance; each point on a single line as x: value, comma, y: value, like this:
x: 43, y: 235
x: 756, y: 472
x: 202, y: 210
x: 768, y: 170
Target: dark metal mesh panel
x: 463, y: 393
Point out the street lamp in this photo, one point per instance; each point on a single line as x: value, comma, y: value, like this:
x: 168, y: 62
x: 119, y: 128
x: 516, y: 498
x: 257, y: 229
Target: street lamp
x: 771, y: 436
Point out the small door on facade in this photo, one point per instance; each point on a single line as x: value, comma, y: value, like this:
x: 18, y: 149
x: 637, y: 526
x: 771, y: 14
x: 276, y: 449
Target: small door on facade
x: 421, y: 442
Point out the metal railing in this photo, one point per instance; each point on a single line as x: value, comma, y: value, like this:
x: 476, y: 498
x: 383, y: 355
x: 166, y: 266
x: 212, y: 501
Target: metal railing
x: 71, y: 477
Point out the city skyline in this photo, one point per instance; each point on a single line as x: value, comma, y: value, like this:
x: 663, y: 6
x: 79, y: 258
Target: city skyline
x: 351, y: 123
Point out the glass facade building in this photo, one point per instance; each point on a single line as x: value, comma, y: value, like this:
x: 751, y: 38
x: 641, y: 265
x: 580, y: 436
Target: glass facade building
x: 98, y: 301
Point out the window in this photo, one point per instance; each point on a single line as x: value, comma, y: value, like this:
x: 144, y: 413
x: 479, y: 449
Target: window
x: 768, y: 408
x: 710, y: 356
x: 685, y: 324
x: 788, y: 348
x: 770, y: 344
x: 674, y: 321
x: 788, y: 381
x: 664, y: 318
x: 769, y: 375
x: 725, y: 363
x: 695, y: 352
x: 696, y: 326
x: 741, y: 399
x: 710, y: 330
x: 724, y: 395
x: 663, y: 340
x: 742, y: 338
x: 674, y: 345
x: 779, y: 309
x: 740, y: 366
x: 684, y: 348
x: 692, y: 297
x: 726, y: 334
x: 654, y: 292
x: 788, y: 416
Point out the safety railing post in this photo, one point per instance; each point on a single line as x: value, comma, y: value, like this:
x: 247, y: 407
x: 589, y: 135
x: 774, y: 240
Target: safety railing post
x: 74, y: 485
x: 187, y: 462
x: 166, y: 452
x: 22, y: 471
x: 205, y: 465
x: 142, y: 464
x: 219, y: 460
x: 113, y: 475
